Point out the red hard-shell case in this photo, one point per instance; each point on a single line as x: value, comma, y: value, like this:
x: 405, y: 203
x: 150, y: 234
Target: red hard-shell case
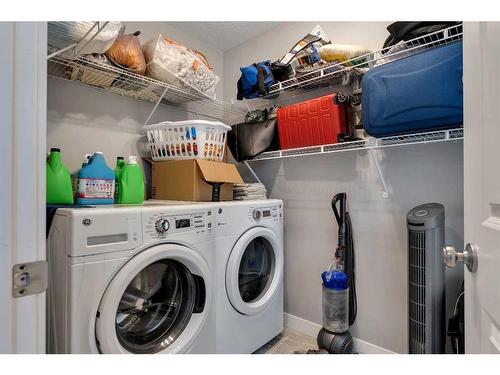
x: 313, y: 122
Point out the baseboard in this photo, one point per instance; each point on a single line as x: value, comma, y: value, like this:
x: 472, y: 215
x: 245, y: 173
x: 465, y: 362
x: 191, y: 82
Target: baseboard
x: 309, y: 328
x: 301, y: 325
x: 365, y: 347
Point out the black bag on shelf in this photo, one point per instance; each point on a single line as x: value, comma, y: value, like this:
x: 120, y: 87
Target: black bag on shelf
x: 259, y: 133
x: 303, y: 54
x: 282, y: 71
x: 409, y: 30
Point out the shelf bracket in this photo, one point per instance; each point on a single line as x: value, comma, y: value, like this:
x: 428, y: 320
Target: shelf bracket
x: 99, y: 29
x: 374, y: 157
x: 252, y: 172
x: 58, y: 52
x: 156, y: 106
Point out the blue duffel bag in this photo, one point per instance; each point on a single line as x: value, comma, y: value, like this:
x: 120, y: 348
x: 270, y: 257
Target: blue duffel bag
x: 422, y: 92
x: 255, y: 80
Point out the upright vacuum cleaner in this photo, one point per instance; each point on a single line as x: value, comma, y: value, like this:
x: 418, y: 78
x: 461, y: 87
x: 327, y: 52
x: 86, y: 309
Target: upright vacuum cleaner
x: 339, y: 288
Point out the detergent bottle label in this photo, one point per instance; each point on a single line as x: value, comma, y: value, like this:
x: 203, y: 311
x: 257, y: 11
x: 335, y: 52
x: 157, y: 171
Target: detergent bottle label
x: 96, y: 188
x: 74, y: 182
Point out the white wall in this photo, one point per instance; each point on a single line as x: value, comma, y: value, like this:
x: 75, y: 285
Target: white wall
x: 83, y: 119
x: 415, y: 175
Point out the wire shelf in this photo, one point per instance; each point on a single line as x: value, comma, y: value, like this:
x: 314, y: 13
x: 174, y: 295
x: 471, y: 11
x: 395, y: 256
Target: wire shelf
x: 348, y: 74
x: 69, y: 37
x: 367, y: 144
x: 96, y: 72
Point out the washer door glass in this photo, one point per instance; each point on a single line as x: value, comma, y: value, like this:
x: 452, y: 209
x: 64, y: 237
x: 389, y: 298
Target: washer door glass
x: 256, y: 269
x: 155, y: 307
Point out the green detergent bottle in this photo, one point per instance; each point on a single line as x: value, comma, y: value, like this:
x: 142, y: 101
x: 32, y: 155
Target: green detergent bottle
x: 58, y: 180
x: 131, y: 183
x: 120, y: 163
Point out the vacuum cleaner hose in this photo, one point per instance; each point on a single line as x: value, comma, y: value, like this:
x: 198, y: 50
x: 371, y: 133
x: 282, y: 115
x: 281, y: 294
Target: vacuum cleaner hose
x: 350, y: 270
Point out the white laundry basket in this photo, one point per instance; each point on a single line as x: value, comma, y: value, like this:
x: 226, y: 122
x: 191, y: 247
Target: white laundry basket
x: 191, y: 139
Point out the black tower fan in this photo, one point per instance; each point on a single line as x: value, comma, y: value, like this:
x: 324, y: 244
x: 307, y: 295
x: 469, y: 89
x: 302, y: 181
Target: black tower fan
x: 426, y: 279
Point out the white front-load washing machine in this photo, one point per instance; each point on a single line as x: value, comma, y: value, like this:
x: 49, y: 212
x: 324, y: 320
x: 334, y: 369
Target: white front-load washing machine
x: 249, y: 274
x: 135, y: 279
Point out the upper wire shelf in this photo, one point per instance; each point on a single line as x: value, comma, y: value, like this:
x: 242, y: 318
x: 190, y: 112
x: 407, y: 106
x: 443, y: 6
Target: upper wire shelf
x: 367, y: 144
x: 348, y: 73
x: 64, y: 61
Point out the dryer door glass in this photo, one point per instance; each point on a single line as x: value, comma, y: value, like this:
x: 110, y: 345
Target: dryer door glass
x: 156, y: 307
x: 256, y: 269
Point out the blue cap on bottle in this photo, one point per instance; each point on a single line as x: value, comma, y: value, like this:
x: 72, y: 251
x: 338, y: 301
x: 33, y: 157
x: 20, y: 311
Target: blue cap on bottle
x: 337, y: 280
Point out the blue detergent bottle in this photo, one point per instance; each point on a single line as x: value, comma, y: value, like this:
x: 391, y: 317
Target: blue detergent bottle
x: 96, y: 182
x: 75, y: 174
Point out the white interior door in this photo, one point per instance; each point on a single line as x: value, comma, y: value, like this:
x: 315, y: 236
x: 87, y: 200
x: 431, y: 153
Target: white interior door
x: 23, y: 86
x: 482, y: 184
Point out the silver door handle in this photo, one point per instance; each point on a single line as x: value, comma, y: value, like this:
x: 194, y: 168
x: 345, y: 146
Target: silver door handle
x: 468, y: 257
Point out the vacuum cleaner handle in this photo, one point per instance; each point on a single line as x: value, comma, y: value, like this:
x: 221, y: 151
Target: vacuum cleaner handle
x: 336, y: 198
x: 341, y: 215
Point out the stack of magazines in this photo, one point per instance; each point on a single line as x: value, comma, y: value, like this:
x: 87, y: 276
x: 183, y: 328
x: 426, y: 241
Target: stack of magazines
x: 252, y: 191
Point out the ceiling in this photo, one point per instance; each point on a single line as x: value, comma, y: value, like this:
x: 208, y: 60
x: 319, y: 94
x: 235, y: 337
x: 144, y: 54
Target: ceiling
x: 224, y: 35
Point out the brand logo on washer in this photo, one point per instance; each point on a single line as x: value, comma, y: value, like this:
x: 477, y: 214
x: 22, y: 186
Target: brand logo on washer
x: 87, y: 221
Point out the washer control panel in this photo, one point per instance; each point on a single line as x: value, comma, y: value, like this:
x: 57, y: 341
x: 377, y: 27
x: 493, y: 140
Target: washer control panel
x: 162, y: 225
x: 273, y: 213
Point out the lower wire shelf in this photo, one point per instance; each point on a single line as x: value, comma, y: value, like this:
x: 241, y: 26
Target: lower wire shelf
x: 367, y: 144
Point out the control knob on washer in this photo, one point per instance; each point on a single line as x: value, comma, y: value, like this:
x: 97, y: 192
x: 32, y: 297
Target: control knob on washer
x: 162, y: 225
x: 256, y: 214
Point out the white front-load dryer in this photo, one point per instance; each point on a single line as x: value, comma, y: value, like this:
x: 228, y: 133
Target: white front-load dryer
x: 249, y: 277
x: 132, y: 280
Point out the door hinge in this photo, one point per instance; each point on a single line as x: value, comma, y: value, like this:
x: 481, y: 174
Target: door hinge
x: 29, y: 278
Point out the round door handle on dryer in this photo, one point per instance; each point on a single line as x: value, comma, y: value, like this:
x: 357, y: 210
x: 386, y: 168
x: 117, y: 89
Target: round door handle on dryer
x: 468, y: 257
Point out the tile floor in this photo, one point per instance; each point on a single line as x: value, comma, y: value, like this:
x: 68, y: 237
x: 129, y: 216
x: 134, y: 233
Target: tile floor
x: 289, y: 342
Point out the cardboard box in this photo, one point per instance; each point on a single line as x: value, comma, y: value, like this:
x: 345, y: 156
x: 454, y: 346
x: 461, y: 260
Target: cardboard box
x: 189, y: 180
